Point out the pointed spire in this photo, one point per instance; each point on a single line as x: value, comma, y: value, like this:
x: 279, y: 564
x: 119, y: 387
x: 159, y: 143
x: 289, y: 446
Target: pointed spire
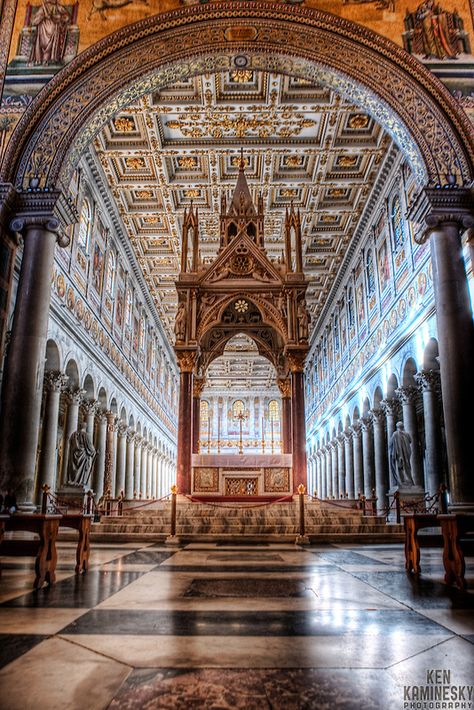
x: 242, y: 203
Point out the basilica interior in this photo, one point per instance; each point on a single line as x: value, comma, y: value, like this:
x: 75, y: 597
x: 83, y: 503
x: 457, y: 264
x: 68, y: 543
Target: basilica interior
x: 236, y: 346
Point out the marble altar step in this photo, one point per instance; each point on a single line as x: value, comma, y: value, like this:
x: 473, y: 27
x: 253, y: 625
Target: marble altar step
x: 201, y: 522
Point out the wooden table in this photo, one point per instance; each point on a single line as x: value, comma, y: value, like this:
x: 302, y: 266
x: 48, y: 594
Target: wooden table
x: 455, y: 527
x: 412, y: 523
x: 82, y: 523
x: 46, y: 526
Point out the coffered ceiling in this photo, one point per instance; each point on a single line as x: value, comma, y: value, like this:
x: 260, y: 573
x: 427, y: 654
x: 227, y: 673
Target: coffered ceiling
x: 302, y: 144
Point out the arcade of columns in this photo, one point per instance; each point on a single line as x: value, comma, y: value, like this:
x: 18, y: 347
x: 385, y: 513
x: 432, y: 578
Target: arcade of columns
x: 126, y: 463
x: 41, y: 219
x: 355, y: 462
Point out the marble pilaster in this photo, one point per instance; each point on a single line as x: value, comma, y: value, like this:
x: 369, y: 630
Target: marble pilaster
x: 334, y: 468
x: 121, y: 459
x: 144, y: 470
x: 138, y: 466
x: 329, y: 490
x: 341, y: 469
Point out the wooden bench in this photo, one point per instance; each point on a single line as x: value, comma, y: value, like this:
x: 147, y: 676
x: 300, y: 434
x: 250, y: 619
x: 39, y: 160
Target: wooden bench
x: 412, y: 523
x: 82, y: 523
x: 456, y: 529
x: 46, y: 526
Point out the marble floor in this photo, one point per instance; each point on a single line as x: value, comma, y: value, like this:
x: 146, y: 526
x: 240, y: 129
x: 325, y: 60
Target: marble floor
x: 220, y: 626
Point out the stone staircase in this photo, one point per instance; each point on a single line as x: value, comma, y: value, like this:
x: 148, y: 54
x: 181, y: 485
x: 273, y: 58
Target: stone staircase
x: 236, y: 522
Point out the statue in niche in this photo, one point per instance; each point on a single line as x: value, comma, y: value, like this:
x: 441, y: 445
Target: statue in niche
x: 399, y: 456
x: 81, y: 457
x: 180, y: 323
x: 303, y: 320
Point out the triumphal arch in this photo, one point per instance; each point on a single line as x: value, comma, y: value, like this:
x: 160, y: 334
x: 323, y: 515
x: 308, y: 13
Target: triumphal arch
x: 241, y: 291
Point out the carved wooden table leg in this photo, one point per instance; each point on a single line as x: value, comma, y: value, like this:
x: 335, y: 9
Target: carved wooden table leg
x: 45, y: 564
x: 453, y: 558
x: 83, y: 546
x: 412, y: 547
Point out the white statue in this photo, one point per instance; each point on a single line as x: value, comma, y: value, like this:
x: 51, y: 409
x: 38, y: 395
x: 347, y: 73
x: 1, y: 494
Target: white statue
x: 81, y: 457
x: 399, y: 456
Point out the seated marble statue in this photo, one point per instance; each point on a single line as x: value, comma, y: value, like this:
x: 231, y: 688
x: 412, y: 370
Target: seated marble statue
x: 399, y: 455
x: 81, y: 457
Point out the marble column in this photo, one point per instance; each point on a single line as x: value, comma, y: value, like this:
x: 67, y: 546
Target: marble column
x: 121, y: 459
x: 408, y: 397
x: 322, y: 493
x: 138, y: 466
x: 144, y: 469
x: 334, y: 468
x: 446, y: 213
x: 329, y: 490
x: 298, y: 420
x: 380, y: 458
x: 341, y: 470
x: 155, y: 474
x: 88, y: 409
x: 356, y: 430
x: 186, y: 361
x: 284, y: 385
x: 109, y: 453
x: 73, y: 399
x: 100, y: 446
x: 349, y: 463
x: 129, y: 464
x: 22, y: 386
x: 429, y: 381
x: 391, y: 407
x: 368, y: 455
x: 54, y: 383
x: 198, y: 386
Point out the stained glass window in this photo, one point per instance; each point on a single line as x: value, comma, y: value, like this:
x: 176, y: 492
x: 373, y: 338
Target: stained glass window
x: 110, y: 276
x: 85, y: 226
x: 397, y: 224
x: 204, y: 410
x: 273, y: 410
x: 238, y: 408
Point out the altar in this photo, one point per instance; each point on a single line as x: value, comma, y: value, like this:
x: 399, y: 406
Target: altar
x: 242, y: 474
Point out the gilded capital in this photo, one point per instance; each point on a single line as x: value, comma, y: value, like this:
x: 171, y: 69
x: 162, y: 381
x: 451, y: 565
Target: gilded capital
x: 198, y: 386
x: 296, y: 361
x: 284, y: 385
x: 186, y: 360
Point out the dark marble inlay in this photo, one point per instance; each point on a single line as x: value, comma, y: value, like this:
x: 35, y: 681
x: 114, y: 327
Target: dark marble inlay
x: 85, y: 590
x: 248, y: 588
x: 346, y: 557
x: 243, y: 545
x: 250, y: 569
x: 236, y: 623
x: 268, y: 689
x: 417, y: 591
x: 469, y: 637
x: 249, y: 556
x: 146, y: 557
x: 15, y: 645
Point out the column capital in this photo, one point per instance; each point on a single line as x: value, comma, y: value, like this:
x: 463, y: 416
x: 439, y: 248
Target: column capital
x: 356, y: 430
x: 434, y: 207
x: 296, y: 360
x: 340, y: 439
x: 7, y: 200
x: 284, y: 385
x: 378, y: 416
x: 55, y: 381
x: 74, y: 396
x: 131, y: 436
x: 100, y: 416
x: 51, y: 210
x: 429, y: 380
x: 391, y: 406
x: 186, y: 360
x: 347, y: 434
x: 366, y: 423
x: 89, y: 406
x: 198, y: 386
x: 122, y: 429
x: 408, y: 395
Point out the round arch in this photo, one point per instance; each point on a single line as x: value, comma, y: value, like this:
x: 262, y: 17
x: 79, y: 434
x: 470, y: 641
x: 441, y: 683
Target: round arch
x: 400, y: 93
